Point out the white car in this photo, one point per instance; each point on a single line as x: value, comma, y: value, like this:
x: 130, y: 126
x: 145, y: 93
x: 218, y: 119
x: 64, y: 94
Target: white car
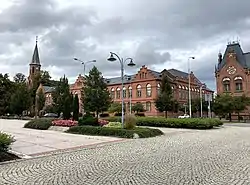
x: 184, y: 116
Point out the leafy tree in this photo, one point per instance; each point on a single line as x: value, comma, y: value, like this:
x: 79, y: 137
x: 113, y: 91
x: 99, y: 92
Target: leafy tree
x: 164, y: 101
x: 138, y: 107
x: 62, y: 100
x: 96, y: 97
x: 20, y: 99
x: 6, y: 89
x: 19, y: 78
x: 240, y: 104
x: 76, y: 108
x: 115, y: 108
x: 224, y: 105
x: 41, y: 100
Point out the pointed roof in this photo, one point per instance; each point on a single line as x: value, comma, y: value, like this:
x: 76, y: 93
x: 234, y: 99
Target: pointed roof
x: 242, y: 58
x: 35, y: 57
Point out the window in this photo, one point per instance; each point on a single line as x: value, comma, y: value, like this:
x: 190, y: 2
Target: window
x: 118, y: 93
x: 33, y: 70
x: 148, y: 106
x: 226, y: 84
x: 238, y: 84
x: 158, y: 89
x: 149, y: 90
x: 124, y: 92
x: 138, y: 90
x: 112, y: 93
x: 130, y: 92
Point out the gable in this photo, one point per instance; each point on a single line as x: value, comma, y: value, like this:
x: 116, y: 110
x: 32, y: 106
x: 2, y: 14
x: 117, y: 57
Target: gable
x: 145, y: 73
x: 233, y: 50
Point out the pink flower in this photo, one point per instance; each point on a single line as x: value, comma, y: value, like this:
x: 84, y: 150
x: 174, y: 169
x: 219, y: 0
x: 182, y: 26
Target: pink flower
x: 102, y: 122
x: 64, y: 123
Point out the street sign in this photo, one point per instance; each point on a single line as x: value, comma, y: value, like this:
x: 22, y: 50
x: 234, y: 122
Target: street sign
x: 208, y: 97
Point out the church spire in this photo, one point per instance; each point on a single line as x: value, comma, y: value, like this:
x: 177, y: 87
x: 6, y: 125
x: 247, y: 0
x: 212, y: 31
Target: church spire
x: 35, y: 58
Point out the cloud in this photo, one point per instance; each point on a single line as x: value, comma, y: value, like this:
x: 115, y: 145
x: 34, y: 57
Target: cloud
x: 160, y: 34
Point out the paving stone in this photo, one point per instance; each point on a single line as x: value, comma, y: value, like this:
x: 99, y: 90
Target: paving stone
x: 209, y: 157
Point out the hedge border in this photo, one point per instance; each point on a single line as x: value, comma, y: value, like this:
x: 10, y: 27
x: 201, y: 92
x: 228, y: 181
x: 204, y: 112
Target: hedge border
x: 115, y: 132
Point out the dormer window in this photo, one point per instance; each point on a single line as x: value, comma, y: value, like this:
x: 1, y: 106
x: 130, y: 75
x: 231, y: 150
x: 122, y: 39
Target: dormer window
x: 238, y: 83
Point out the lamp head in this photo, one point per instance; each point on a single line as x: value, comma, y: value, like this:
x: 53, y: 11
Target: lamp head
x: 111, y: 58
x: 131, y: 63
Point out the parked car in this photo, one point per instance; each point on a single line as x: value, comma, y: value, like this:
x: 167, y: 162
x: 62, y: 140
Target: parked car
x: 184, y: 116
x: 50, y: 115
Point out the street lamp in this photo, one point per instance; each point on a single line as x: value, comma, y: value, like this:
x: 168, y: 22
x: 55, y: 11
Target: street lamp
x: 201, y: 87
x: 112, y: 58
x: 84, y: 64
x: 189, y: 87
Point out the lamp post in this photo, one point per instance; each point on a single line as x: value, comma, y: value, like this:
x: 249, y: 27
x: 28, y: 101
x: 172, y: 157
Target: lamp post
x: 201, y: 87
x: 130, y: 98
x: 84, y: 64
x: 122, y: 61
x: 189, y: 87
x: 36, y: 105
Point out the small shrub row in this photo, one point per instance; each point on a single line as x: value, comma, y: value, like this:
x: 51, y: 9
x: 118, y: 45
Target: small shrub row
x: 114, y: 124
x: 64, y: 123
x: 113, y: 131
x: 88, y: 120
x: 5, y: 141
x: 40, y: 124
x: 191, y: 123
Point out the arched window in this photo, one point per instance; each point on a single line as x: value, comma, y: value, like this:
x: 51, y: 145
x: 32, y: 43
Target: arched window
x: 124, y: 92
x: 226, y: 84
x: 149, y: 90
x: 112, y: 93
x: 158, y: 89
x: 130, y: 92
x: 148, y: 106
x: 238, y: 83
x: 138, y: 91
x: 118, y: 93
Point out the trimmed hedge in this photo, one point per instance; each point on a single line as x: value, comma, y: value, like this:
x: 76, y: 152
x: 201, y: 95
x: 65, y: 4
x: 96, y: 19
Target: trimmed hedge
x: 40, y: 124
x: 113, y: 131
x: 191, y: 123
x: 88, y: 120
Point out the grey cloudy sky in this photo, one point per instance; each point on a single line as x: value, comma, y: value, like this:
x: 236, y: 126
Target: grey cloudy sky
x: 160, y: 34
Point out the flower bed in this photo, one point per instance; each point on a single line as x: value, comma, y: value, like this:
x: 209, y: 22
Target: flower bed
x: 64, y: 123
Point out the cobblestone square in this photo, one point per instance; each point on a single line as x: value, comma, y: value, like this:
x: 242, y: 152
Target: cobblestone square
x: 208, y: 157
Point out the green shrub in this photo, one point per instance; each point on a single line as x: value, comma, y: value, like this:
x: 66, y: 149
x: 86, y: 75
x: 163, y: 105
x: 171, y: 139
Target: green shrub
x: 88, y: 120
x: 114, y: 124
x: 129, y: 122
x: 40, y: 124
x: 192, y: 123
x: 116, y: 132
x: 113, y: 119
x: 5, y: 141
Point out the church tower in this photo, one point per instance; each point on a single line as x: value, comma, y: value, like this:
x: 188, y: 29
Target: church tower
x: 35, y: 65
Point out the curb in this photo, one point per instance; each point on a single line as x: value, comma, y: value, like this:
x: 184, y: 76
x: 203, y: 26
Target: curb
x: 60, y: 151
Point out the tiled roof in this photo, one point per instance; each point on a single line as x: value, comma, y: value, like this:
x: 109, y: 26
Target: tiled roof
x: 48, y: 89
x: 242, y: 58
x: 118, y: 80
x: 178, y: 73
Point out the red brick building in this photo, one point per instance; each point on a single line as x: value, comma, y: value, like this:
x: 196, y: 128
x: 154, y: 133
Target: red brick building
x: 233, y: 71
x: 144, y: 87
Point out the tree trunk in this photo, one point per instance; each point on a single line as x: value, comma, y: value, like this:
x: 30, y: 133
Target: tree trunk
x: 166, y: 114
x: 230, y: 117
x: 238, y: 116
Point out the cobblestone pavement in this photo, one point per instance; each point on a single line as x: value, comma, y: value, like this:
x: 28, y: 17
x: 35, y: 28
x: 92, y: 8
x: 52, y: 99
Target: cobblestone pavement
x: 211, y: 157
